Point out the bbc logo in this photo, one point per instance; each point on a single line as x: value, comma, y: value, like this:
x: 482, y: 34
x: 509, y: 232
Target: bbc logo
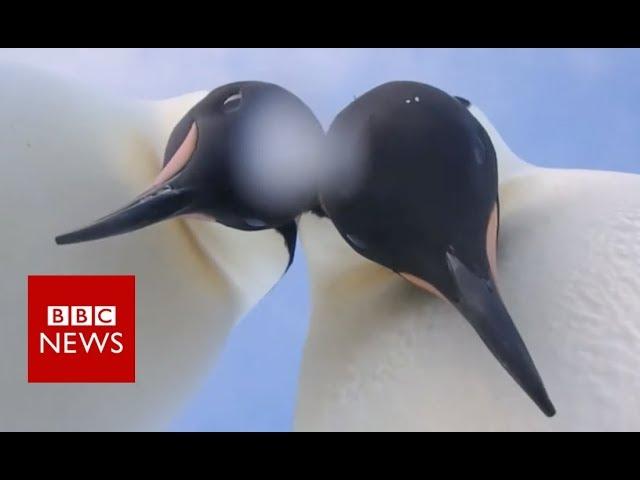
x: 81, y: 316
x: 81, y: 328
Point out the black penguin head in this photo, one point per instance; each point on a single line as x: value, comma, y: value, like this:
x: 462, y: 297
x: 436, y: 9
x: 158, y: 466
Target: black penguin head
x: 422, y: 199
x: 236, y: 157
x: 424, y: 183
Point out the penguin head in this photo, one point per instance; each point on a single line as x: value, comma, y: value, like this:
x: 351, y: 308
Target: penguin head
x: 243, y: 156
x: 422, y: 199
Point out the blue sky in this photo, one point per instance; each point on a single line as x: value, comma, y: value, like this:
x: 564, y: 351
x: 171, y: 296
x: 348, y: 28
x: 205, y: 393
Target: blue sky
x: 564, y: 108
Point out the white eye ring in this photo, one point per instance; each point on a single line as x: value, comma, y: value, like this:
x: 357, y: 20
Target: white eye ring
x: 254, y: 222
x: 357, y: 242
x: 232, y: 102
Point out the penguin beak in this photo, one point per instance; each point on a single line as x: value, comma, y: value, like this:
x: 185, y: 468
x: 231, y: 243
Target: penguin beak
x: 165, y: 199
x: 159, y: 203
x: 480, y: 303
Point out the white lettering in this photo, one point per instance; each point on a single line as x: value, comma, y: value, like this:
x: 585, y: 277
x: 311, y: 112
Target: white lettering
x: 54, y: 346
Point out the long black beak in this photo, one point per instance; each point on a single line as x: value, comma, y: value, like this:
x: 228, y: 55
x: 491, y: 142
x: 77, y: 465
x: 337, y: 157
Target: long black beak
x: 160, y: 203
x: 483, y: 308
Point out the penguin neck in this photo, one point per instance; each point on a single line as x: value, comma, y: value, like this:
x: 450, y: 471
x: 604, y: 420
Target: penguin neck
x: 334, y: 267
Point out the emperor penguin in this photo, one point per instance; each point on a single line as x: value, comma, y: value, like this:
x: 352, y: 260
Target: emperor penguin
x: 69, y: 154
x: 415, y: 235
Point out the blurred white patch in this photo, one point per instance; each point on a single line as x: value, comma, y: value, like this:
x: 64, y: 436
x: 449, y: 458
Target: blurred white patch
x: 281, y: 156
x: 344, y: 168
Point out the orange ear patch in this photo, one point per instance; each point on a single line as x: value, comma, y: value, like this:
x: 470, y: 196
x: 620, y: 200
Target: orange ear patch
x: 492, y: 243
x: 180, y: 158
x: 492, y: 240
x: 418, y: 282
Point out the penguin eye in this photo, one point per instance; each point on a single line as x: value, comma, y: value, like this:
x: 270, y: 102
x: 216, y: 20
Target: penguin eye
x: 255, y: 222
x: 356, y: 242
x: 232, y: 103
x: 479, y: 152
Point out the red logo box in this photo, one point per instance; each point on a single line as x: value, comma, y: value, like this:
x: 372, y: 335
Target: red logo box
x: 81, y: 328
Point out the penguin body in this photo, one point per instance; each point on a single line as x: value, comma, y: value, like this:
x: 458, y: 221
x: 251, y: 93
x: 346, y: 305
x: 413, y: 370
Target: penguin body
x: 68, y: 154
x: 382, y: 355
x: 425, y: 204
